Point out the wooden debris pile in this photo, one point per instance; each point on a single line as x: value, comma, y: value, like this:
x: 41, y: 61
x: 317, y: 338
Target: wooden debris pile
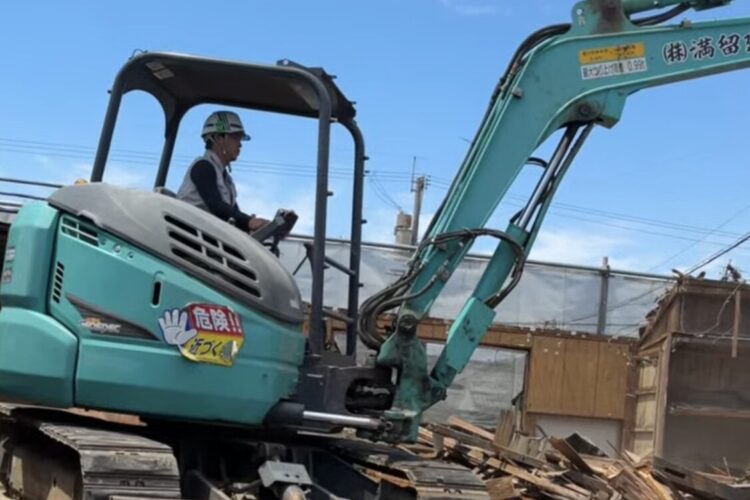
x: 515, y: 467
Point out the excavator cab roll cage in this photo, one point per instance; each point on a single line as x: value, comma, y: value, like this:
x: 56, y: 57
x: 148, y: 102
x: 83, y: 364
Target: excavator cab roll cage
x: 180, y: 82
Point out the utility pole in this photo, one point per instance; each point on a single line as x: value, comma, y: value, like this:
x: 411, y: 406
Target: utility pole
x: 418, y: 189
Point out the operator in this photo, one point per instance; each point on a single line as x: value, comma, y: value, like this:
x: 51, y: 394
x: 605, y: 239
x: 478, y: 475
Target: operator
x: 208, y: 184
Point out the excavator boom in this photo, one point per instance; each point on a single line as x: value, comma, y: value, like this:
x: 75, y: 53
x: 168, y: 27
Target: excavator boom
x: 569, y: 77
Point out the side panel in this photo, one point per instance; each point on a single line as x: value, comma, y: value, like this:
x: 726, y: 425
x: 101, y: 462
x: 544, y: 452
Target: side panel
x: 37, y: 358
x: 113, y: 296
x: 28, y: 255
x: 37, y: 354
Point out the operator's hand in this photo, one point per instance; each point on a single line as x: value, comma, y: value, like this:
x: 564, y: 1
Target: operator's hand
x: 174, y: 327
x: 256, y: 223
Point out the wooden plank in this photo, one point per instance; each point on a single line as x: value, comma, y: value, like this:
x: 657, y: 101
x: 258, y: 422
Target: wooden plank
x: 703, y: 288
x: 611, y: 381
x: 652, y: 350
x: 541, y: 483
x: 674, y: 317
x: 662, y: 389
x: 736, y: 326
x: 506, y: 423
x: 598, y: 488
x: 470, y: 428
x: 571, y: 454
x: 502, y: 488
x: 379, y: 476
x: 631, y: 399
x: 579, y: 378
x: 709, y: 411
x: 631, y: 485
x: 647, y: 375
x: 657, y: 327
x: 643, y: 443
x: 521, y: 340
x: 545, y: 375
x: 477, y: 441
x: 645, y: 412
x: 659, y: 489
x: 508, y: 340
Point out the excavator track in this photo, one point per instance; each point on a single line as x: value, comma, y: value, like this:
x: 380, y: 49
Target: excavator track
x: 54, y: 455
x: 47, y: 458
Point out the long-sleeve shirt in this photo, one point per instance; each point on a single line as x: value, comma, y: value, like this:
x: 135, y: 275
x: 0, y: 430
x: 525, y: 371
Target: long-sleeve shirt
x: 203, y: 175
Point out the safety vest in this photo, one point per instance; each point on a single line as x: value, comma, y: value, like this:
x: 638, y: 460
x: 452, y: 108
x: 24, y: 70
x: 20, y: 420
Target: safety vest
x: 189, y: 193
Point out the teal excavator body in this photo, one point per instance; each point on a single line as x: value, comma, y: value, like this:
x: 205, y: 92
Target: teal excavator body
x: 89, y: 301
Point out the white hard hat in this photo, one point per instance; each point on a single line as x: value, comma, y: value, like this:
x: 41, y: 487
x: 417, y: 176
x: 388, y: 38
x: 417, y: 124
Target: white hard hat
x: 224, y: 122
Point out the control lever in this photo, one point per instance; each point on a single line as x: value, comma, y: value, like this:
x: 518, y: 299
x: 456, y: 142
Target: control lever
x: 276, y: 230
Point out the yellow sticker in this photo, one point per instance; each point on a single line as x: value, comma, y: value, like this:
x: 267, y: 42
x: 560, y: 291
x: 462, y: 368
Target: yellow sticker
x: 214, y: 348
x: 616, y: 53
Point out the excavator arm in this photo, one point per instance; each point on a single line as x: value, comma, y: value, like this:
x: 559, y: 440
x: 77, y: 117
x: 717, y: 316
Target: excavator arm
x: 567, y: 78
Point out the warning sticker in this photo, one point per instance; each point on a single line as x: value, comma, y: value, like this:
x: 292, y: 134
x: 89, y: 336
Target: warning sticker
x: 204, y: 333
x: 616, y: 53
x: 615, y: 68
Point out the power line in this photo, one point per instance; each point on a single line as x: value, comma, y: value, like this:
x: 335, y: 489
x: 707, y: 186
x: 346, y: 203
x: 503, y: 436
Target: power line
x: 627, y: 218
x: 86, y: 152
x: 21, y: 146
x: 624, y: 302
x: 718, y: 254
x: 242, y: 166
x: 384, y: 196
x: 619, y: 226
x: 706, y: 236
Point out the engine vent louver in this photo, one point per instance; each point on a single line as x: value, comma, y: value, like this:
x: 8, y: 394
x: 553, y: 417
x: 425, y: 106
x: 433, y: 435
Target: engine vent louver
x: 57, y: 282
x: 202, y: 251
x: 75, y: 229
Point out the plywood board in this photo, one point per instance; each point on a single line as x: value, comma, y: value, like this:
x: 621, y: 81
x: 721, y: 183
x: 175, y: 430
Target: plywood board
x: 643, y: 444
x: 646, y: 376
x: 645, y: 412
x: 511, y: 340
x: 579, y: 377
x: 628, y: 424
x: 662, y: 387
x: 546, y: 375
x: 611, y: 381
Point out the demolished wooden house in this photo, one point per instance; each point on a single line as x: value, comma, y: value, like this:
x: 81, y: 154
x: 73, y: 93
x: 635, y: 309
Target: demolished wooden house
x: 688, y: 400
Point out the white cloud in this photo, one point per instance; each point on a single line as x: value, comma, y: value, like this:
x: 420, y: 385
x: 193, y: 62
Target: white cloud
x: 264, y: 199
x: 380, y: 225
x: 585, y: 248
x: 117, y: 174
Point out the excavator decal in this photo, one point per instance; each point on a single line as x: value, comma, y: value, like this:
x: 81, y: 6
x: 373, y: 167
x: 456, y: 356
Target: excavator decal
x: 204, y: 333
x: 613, y: 61
x: 703, y: 48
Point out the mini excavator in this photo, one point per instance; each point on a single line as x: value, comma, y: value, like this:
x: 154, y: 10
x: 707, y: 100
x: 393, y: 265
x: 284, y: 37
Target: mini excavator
x: 134, y: 302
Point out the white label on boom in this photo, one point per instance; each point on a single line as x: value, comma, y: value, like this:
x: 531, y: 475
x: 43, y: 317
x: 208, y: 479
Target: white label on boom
x: 614, y: 68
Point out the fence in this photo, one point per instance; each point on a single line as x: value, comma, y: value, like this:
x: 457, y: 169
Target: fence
x: 549, y: 295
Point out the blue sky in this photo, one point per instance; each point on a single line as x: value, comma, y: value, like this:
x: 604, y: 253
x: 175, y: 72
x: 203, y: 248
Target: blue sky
x: 665, y: 188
